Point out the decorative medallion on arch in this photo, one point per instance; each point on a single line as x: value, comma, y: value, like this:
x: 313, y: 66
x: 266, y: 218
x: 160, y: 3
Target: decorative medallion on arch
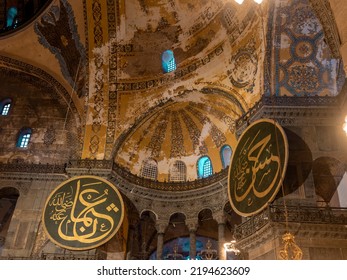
x: 258, y: 167
x: 243, y: 68
x: 83, y: 213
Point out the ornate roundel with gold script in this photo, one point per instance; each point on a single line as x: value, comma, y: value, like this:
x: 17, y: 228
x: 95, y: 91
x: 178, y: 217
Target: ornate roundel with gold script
x: 257, y: 167
x: 83, y: 213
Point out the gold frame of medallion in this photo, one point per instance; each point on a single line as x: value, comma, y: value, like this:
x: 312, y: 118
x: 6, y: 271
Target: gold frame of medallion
x: 283, y: 170
x: 104, y: 240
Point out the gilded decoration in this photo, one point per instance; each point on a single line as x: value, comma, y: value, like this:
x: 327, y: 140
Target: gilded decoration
x: 217, y: 136
x: 112, y: 19
x: 194, y: 132
x: 243, y: 68
x: 96, y: 109
x: 177, y: 140
x: 257, y: 167
x: 158, y: 137
x: 83, y: 212
x: 164, y: 80
x: 326, y: 17
x: 290, y: 251
x: 235, y: 26
x: 184, y: 128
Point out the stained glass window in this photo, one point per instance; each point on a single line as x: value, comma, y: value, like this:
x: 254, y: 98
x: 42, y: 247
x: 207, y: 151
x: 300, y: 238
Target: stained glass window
x: 24, y: 138
x: 5, y: 106
x: 168, y: 61
x: 204, y: 167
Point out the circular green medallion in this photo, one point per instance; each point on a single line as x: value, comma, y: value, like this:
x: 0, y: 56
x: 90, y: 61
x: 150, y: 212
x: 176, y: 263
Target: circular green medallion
x: 257, y: 167
x: 83, y: 212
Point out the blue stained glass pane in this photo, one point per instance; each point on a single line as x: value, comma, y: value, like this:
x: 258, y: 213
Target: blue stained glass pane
x: 11, y: 20
x: 24, y: 138
x: 168, y: 61
x: 204, y: 167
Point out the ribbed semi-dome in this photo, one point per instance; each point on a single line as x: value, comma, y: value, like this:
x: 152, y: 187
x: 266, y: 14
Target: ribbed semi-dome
x: 180, y: 132
x: 178, y: 124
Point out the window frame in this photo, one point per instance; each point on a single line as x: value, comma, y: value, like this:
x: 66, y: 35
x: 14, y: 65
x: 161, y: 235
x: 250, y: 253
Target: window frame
x: 178, y: 171
x: 222, y: 155
x: 149, y: 167
x: 3, y: 104
x: 201, y: 167
x: 168, y: 65
x: 23, y: 140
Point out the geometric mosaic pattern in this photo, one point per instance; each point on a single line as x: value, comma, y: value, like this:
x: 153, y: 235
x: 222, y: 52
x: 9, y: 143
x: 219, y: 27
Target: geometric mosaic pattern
x: 305, y: 65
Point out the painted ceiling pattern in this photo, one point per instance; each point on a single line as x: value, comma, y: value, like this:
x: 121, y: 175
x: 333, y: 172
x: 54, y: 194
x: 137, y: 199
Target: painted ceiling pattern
x: 185, y: 129
x: 305, y: 64
x: 132, y: 111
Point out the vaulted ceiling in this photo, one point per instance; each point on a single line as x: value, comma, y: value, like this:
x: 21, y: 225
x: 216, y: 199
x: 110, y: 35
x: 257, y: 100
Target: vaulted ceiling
x: 107, y: 54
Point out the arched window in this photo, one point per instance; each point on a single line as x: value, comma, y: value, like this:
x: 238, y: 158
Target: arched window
x: 11, y: 17
x: 168, y: 61
x: 24, y: 138
x: 5, y: 106
x: 150, y: 169
x: 225, y: 154
x: 204, y: 167
x: 178, y: 172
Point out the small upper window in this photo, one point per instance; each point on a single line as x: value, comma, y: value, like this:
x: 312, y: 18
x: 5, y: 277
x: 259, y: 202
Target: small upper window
x: 178, y: 172
x: 168, y: 61
x: 5, y: 106
x: 17, y: 13
x: 226, y: 155
x: 24, y: 138
x: 204, y: 167
x: 150, y: 169
x: 11, y: 19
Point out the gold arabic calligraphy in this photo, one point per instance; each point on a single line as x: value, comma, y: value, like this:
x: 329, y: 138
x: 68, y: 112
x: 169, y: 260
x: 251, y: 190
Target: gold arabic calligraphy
x: 78, y: 213
x: 256, y: 164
